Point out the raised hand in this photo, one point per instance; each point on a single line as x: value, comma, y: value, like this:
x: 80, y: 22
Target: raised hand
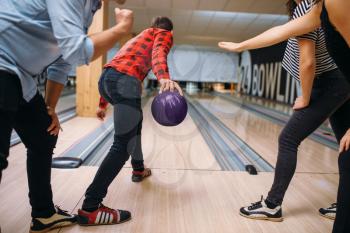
x: 124, y: 18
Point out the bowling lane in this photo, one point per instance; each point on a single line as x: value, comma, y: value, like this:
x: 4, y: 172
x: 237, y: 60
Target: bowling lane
x: 175, y: 201
x: 73, y: 131
x: 180, y: 147
x: 262, y: 136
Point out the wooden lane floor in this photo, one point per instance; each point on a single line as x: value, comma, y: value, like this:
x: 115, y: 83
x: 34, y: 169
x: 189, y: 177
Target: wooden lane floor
x: 73, y: 131
x: 173, y: 200
x: 14, y: 187
x: 187, y: 192
x: 269, y: 104
x: 262, y: 136
x: 208, y: 201
x: 181, y: 147
x: 67, y: 185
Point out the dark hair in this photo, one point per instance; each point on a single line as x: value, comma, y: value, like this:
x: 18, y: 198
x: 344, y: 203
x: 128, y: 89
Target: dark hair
x: 162, y: 23
x: 291, y: 5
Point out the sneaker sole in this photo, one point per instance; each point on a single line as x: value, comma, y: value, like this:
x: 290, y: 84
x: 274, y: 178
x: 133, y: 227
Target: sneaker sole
x: 328, y: 217
x: 136, y: 179
x: 59, y: 225
x: 104, y: 224
x: 262, y: 218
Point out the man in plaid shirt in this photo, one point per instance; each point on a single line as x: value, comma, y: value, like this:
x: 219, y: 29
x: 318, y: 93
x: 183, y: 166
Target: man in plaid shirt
x: 121, y: 86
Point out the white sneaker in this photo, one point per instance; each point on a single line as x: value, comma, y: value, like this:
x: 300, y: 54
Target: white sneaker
x: 329, y: 212
x: 260, y: 211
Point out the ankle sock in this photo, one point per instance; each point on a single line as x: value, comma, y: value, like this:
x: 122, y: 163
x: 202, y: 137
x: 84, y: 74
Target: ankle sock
x: 270, y: 204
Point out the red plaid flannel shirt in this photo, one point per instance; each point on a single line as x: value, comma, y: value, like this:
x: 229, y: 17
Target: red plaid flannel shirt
x: 148, y: 50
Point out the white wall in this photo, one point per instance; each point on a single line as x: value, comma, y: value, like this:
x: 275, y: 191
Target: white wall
x: 201, y: 64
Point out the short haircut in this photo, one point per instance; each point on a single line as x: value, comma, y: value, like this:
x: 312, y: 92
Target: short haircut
x: 162, y: 23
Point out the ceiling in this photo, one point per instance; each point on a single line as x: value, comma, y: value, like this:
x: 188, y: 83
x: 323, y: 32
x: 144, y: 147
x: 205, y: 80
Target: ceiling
x: 205, y: 22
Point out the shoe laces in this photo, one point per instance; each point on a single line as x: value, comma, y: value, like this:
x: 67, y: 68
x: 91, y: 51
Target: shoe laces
x: 256, y: 205
x: 334, y: 205
x: 60, y: 211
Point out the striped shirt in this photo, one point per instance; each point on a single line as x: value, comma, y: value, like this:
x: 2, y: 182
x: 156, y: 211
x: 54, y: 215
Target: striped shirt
x: 324, y: 62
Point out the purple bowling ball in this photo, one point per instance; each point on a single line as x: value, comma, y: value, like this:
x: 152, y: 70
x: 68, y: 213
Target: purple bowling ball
x: 169, y: 108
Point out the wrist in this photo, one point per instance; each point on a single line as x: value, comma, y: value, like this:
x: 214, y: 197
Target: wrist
x: 121, y: 29
x: 305, y: 99
x: 162, y: 80
x: 243, y: 46
x: 50, y: 110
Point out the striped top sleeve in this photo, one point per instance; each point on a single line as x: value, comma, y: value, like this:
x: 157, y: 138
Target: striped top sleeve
x: 324, y: 62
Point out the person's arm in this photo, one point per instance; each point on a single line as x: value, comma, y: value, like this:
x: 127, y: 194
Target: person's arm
x: 68, y: 23
x: 307, y: 67
x: 57, y: 74
x: 275, y: 35
x: 103, y: 103
x: 162, y: 44
x: 105, y: 40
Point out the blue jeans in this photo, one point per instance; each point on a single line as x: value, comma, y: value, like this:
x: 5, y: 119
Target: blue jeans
x: 124, y: 93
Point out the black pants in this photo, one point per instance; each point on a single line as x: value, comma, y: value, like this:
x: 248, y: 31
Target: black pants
x: 30, y: 120
x: 330, y: 99
x: 124, y: 93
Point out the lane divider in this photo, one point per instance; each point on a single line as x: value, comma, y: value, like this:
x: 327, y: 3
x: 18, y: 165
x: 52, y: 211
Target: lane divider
x: 87, y: 148
x: 322, y: 135
x: 230, y: 151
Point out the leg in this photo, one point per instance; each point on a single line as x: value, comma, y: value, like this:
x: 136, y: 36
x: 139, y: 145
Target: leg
x: 340, y: 122
x: 327, y: 98
x: 10, y: 95
x: 139, y: 171
x: 31, y: 125
x: 300, y: 125
x: 137, y: 161
x: 6, y: 125
x: 126, y: 120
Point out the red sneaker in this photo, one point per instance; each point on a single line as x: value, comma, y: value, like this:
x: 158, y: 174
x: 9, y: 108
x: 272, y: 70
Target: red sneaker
x: 103, y: 216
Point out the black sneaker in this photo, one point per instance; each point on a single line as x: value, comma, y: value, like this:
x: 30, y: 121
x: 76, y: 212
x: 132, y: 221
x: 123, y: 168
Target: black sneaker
x: 329, y: 212
x: 60, y: 219
x: 140, y: 176
x: 260, y: 211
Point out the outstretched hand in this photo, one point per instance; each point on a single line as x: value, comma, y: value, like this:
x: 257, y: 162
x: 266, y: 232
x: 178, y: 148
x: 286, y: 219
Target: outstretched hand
x: 169, y: 85
x: 231, y: 46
